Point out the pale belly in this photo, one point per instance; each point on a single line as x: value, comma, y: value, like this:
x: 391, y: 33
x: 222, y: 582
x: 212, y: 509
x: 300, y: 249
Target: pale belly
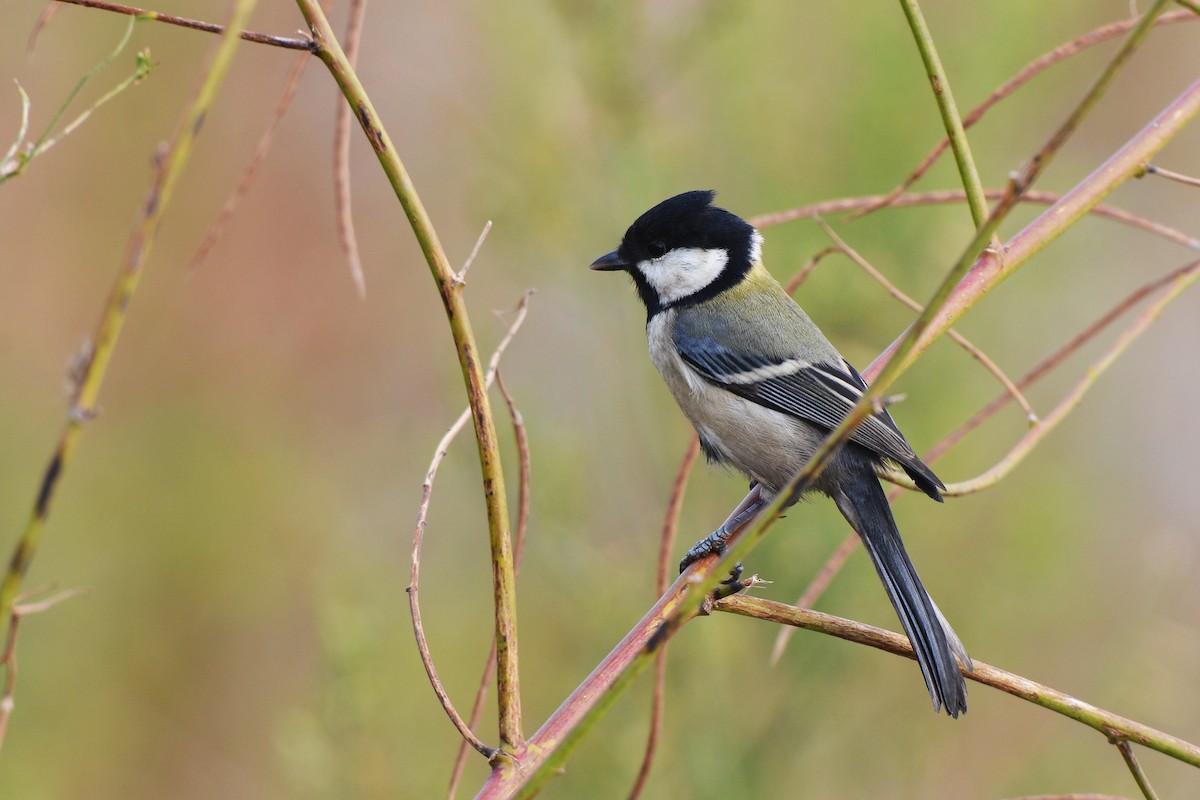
x: 767, y: 446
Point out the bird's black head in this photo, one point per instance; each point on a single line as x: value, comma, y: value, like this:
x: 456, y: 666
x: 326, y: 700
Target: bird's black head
x: 684, y: 250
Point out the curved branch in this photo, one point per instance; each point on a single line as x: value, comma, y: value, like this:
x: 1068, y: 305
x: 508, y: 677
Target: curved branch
x: 512, y: 739
x: 414, y: 575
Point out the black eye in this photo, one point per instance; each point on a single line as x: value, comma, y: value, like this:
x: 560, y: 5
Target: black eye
x: 656, y: 249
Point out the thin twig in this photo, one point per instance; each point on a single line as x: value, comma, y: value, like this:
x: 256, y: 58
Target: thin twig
x: 820, y: 582
x: 194, y: 24
x: 18, y: 158
x: 461, y: 276
x: 169, y: 166
x: 1036, y: 165
x: 8, y: 661
x: 1054, y: 359
x: 347, y: 238
x: 22, y: 130
x: 523, y: 504
x: 802, y: 274
x: 948, y: 109
x: 1139, y: 775
x: 980, y: 356
x: 997, y: 264
x: 512, y: 738
x: 847, y: 204
x: 217, y: 227
x: 1025, y: 445
x: 1111, y: 725
x: 1023, y: 76
x: 662, y: 579
x: 1178, y: 177
x: 414, y: 578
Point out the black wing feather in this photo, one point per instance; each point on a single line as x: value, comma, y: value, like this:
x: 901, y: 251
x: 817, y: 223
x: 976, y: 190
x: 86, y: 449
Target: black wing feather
x: 821, y: 394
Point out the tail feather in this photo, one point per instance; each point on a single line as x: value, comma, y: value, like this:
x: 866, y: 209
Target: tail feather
x: 865, y: 507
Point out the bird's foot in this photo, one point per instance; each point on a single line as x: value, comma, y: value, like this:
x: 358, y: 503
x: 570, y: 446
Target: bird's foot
x: 712, y: 544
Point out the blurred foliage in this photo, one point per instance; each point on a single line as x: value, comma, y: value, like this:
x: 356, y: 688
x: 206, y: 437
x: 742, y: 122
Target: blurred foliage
x: 241, y: 509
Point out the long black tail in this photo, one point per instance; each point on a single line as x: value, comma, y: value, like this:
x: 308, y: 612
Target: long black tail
x: 864, y: 505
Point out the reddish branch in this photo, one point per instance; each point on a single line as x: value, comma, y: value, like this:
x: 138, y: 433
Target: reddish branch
x: 194, y: 24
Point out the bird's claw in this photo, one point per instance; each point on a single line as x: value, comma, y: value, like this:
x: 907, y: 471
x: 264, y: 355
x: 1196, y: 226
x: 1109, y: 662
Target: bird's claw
x: 714, y: 543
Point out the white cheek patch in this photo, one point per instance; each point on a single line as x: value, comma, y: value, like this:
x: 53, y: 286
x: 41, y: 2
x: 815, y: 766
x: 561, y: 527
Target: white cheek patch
x: 683, y: 272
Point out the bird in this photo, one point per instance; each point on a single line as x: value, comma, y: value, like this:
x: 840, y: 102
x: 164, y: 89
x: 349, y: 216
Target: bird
x: 762, y: 386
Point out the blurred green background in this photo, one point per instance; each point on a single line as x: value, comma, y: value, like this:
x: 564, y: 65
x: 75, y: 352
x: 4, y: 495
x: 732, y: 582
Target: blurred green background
x: 241, y: 511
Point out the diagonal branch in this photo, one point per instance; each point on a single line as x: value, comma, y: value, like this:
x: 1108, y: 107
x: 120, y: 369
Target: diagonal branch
x: 1113, y: 726
x: 98, y: 353
x: 992, y: 268
x: 834, y: 563
x: 1023, y: 76
x: 980, y: 356
x: 194, y: 24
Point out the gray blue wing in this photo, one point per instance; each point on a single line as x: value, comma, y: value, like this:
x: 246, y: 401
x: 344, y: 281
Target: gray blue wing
x: 819, y: 393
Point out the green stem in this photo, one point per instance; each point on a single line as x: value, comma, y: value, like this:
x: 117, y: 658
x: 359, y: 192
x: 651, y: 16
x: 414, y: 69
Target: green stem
x: 326, y: 48
x: 94, y: 365
x: 997, y: 264
x: 1038, y: 163
x: 949, y: 111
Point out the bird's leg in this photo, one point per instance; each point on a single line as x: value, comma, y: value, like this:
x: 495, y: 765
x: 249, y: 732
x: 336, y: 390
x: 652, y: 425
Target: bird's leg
x: 715, y: 542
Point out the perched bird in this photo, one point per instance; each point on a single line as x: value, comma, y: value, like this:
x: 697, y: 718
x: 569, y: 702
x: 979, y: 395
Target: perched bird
x: 762, y: 386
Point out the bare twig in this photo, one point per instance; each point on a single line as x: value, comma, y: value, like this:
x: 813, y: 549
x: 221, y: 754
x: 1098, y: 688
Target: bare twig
x: 996, y: 265
x: 1036, y: 165
x: 414, y: 579
x: 980, y: 356
x: 169, y: 166
x: 1027, y: 73
x: 1114, y: 727
x: 1139, y: 775
x: 838, y: 558
x: 512, y: 738
x: 8, y: 661
x: 194, y: 24
x: 1178, y: 177
x: 1185, y: 277
x: 847, y: 204
x: 523, y: 503
x: 666, y: 543
x: 217, y: 227
x: 347, y: 238
x: 460, y: 277
x: 802, y: 274
x: 953, y: 124
x: 20, y: 155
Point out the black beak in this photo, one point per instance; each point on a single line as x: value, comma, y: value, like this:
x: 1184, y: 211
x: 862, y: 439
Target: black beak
x: 609, y: 262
